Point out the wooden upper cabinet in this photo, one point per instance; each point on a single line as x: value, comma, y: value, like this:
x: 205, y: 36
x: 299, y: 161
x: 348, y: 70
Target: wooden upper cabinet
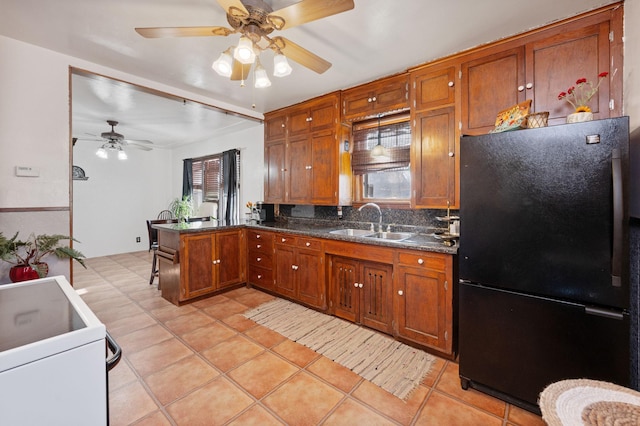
x: 539, y: 67
x: 274, y: 173
x: 583, y: 52
x: 490, y: 85
x: 382, y: 96
x: 324, y: 168
x: 433, y: 87
x: 434, y: 160
x: 312, y: 116
x: 275, y: 126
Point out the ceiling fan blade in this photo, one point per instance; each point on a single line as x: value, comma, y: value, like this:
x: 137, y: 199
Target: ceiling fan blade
x: 136, y: 146
x: 301, y: 55
x: 309, y: 10
x: 240, y: 71
x: 156, y: 32
x: 90, y: 140
x: 227, y: 4
x: 138, y: 141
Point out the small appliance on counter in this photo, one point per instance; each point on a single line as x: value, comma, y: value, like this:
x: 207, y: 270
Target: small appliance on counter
x: 266, y: 212
x: 53, y: 366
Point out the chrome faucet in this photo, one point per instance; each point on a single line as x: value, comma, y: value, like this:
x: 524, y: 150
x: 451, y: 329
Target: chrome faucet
x: 379, y: 213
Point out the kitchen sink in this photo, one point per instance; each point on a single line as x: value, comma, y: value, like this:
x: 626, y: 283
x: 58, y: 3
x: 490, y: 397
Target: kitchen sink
x: 352, y: 232
x: 390, y: 236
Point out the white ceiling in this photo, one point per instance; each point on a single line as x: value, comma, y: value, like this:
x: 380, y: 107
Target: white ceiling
x: 375, y: 39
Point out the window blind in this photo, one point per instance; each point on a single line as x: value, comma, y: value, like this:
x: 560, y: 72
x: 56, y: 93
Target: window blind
x: 394, y: 133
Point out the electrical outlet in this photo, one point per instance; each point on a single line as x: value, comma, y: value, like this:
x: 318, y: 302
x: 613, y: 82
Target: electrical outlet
x: 137, y: 239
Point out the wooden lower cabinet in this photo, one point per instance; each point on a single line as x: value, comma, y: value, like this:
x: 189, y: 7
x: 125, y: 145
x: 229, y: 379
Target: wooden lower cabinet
x: 200, y: 263
x: 361, y: 292
x: 423, y: 299
x: 260, y: 256
x: 299, y: 269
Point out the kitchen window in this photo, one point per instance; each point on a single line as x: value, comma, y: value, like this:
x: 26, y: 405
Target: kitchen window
x: 208, y: 184
x: 386, y: 177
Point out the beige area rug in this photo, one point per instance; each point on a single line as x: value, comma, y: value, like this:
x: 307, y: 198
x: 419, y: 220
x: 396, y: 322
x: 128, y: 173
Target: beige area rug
x: 394, y: 366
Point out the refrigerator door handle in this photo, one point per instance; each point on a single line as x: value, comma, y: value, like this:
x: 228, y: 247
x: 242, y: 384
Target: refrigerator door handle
x: 618, y: 208
x: 591, y: 310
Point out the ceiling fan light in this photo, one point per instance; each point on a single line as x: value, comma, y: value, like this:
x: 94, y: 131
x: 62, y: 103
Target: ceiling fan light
x: 262, y: 80
x: 281, y: 67
x: 244, y: 52
x: 102, y: 153
x: 122, y: 155
x: 224, y: 64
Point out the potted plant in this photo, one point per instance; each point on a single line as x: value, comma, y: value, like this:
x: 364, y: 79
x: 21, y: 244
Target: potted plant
x: 182, y: 208
x: 27, y: 256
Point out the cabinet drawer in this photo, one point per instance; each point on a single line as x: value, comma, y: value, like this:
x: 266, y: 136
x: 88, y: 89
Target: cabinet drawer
x: 264, y: 260
x: 254, y: 235
x: 424, y: 260
x: 261, y: 277
x: 262, y: 246
x: 286, y: 239
x: 309, y: 243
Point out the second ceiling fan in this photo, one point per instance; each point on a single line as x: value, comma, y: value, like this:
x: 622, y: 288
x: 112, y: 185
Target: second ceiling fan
x: 255, y: 21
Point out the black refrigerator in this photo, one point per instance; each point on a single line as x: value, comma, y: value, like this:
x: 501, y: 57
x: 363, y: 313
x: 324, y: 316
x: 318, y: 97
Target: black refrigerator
x: 544, y: 258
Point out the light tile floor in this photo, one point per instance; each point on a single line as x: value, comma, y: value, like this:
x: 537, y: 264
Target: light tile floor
x: 205, y: 364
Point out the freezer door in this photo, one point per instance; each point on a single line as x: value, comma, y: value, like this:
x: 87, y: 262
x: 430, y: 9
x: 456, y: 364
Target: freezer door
x: 513, y: 345
x: 538, y: 213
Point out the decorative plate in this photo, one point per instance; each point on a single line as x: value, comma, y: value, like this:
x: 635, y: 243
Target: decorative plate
x: 78, y: 173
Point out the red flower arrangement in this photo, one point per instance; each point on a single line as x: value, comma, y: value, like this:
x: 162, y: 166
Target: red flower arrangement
x: 580, y: 94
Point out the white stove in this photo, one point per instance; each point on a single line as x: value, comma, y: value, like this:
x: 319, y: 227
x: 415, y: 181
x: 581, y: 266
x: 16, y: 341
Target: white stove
x: 53, y: 367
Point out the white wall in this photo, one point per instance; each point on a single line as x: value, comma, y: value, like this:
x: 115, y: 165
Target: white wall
x: 35, y: 132
x: 250, y: 142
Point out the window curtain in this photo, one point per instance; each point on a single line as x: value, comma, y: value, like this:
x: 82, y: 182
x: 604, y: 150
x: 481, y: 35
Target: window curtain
x: 230, y: 179
x: 187, y: 177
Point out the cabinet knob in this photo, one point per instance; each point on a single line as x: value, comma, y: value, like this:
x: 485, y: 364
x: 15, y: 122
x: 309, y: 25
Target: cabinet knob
x: 307, y: 167
x: 259, y: 276
x: 282, y: 125
x: 307, y: 244
x: 374, y: 99
x: 355, y: 285
x: 258, y: 245
x: 369, y: 100
x: 400, y: 292
x: 258, y: 259
x: 520, y: 88
x: 451, y: 154
x: 420, y: 261
x: 258, y: 236
x: 529, y: 85
x: 284, y: 239
x: 451, y: 83
x: 360, y: 285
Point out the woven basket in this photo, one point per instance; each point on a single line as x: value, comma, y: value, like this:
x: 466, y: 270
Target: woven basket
x: 537, y: 119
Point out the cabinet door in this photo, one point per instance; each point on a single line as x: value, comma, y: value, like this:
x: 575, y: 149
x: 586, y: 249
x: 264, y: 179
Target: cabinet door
x: 434, y: 159
x: 433, y: 88
x: 583, y: 52
x: 345, y: 295
x: 299, y: 171
x: 285, y: 270
x: 392, y: 94
x: 299, y: 119
x: 324, y: 174
x: 490, y: 85
x: 231, y: 261
x: 310, y: 277
x: 198, y: 273
x: 275, y: 172
x: 422, y: 311
x: 376, y: 295
x: 357, y: 103
x: 275, y: 126
x: 323, y: 114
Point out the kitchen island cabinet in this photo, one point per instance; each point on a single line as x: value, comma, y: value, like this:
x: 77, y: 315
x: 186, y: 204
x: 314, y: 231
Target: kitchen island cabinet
x: 197, y: 264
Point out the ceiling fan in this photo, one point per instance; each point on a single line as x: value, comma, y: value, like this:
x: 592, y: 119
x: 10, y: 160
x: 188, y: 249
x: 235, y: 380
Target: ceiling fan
x: 114, y: 141
x: 255, y: 20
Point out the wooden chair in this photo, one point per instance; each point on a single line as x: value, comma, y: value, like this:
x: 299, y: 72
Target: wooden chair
x: 153, y: 245
x: 165, y: 214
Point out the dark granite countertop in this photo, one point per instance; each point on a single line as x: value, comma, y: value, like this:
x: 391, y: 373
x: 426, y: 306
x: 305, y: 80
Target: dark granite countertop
x: 423, y: 238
